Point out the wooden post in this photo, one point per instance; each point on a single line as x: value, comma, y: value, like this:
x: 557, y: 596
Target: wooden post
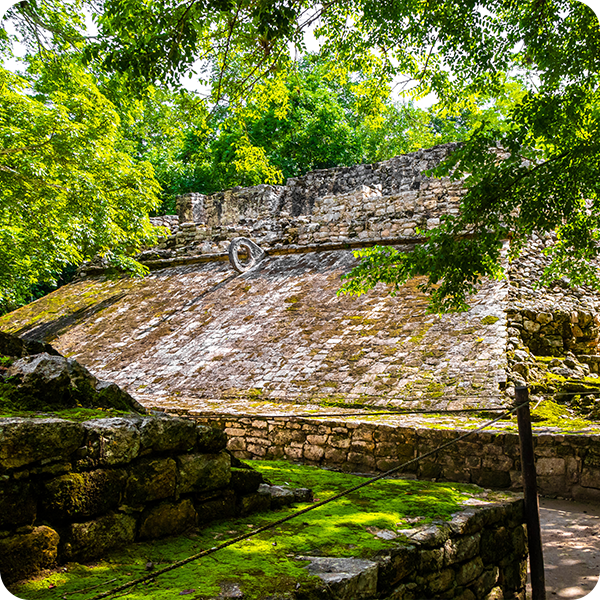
x: 532, y: 516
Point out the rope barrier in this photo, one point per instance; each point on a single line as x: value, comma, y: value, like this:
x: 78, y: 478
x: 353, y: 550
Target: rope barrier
x: 303, y: 511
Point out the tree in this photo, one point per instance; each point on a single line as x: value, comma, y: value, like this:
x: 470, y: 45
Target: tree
x: 467, y: 53
x: 537, y: 59
x: 68, y: 189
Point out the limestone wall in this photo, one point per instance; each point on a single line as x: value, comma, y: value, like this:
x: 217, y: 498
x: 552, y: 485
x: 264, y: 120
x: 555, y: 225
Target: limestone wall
x: 567, y: 465
x: 72, y: 491
x: 368, y: 203
x: 553, y: 320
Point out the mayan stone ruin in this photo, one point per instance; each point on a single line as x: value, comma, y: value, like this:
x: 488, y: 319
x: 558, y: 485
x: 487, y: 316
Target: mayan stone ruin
x: 198, y: 334
x: 226, y: 331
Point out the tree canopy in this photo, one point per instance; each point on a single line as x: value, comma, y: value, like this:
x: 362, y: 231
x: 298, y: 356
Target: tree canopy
x: 520, y: 76
x: 68, y: 188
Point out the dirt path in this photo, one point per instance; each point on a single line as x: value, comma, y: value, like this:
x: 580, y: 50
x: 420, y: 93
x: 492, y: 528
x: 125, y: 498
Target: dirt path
x: 571, y: 546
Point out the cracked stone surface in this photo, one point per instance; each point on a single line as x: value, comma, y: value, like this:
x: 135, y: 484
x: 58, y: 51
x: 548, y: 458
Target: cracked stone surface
x: 192, y: 335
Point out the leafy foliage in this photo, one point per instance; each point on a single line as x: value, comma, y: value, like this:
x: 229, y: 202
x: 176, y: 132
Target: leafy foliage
x: 521, y: 77
x: 68, y: 190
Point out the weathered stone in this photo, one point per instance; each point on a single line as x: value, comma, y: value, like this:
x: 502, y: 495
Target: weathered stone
x: 84, y: 541
x: 431, y: 536
x: 52, y: 380
x: 113, y: 441
x: 280, y: 495
x: 440, y: 581
x: 151, y: 479
x: 495, y: 594
x: 345, y: 578
x: 162, y: 434
x: 460, y: 549
x: 431, y: 560
x: 252, y: 503
x: 23, y: 555
x: 485, y: 582
x: 11, y: 345
x: 25, y: 441
x: 18, y: 505
x: 203, y: 472
x: 75, y: 496
x: 220, y: 505
x: 245, y: 481
x: 550, y: 466
x: 167, y: 518
x: 495, y: 544
x: 514, y: 575
x: 467, y: 572
x: 210, y: 439
x: 401, y: 562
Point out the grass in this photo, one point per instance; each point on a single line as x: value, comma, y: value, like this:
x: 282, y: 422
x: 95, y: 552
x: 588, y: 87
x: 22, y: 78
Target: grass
x: 70, y: 414
x: 265, y: 564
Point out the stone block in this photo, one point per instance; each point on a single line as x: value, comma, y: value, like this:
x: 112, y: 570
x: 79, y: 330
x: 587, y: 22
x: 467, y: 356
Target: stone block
x: 203, y: 472
x: 76, y: 496
x: 167, y: 518
x: 550, y: 466
x: 490, y: 478
x: 168, y: 434
x: 552, y: 484
x: 317, y: 440
x: 495, y: 544
x: 313, y: 453
x: 151, y: 479
x: 21, y: 556
x: 85, y: 541
x: 218, y: 505
x: 360, y: 460
x: 495, y: 594
x: 431, y: 560
x: 245, y: 481
x: 429, y: 469
x: 485, y: 582
x: 585, y: 494
x: 335, y: 455
x: 293, y: 453
x: 110, y: 442
x: 274, y: 453
x: 236, y: 444
x: 590, y: 478
x: 280, y: 495
x: 256, y: 450
x: 513, y: 576
x: 402, y: 561
x: 18, y: 505
x: 26, y: 441
x: 252, y: 503
x: 458, y: 550
x: 340, y: 441
x: 344, y: 578
x: 440, y: 581
x: 497, y: 463
x: 467, y: 572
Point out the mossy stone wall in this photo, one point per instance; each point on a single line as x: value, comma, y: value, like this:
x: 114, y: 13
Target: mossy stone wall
x: 72, y: 491
x: 567, y: 465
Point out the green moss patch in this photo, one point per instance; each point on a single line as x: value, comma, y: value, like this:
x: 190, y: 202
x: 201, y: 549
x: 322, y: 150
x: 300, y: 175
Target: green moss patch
x: 489, y: 320
x: 265, y: 565
x: 70, y: 414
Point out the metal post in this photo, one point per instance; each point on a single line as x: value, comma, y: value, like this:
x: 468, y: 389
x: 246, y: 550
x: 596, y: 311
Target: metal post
x: 532, y: 517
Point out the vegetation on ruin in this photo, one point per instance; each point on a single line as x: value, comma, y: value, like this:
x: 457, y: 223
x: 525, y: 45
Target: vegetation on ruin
x: 265, y: 564
x: 524, y: 77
